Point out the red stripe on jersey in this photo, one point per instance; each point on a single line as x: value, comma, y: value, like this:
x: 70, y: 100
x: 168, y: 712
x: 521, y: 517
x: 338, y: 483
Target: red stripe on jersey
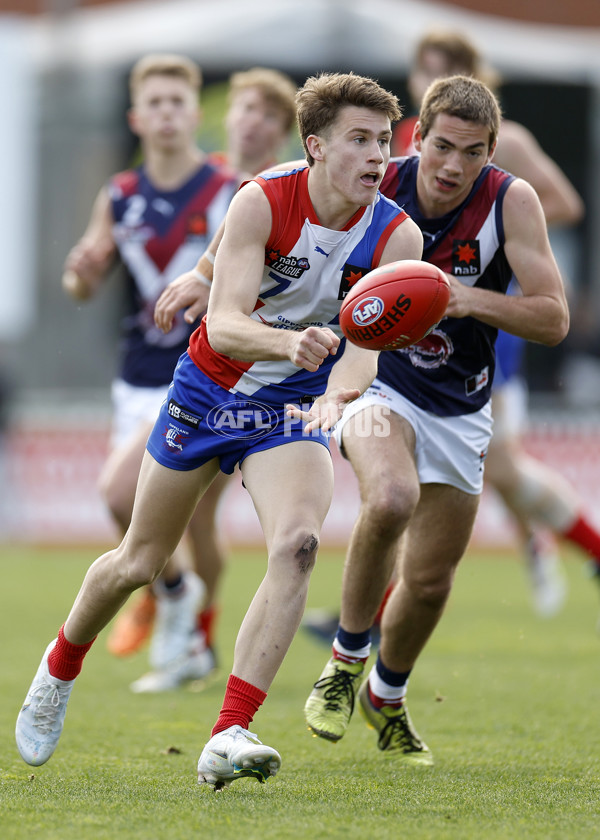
x: 471, y: 220
x: 162, y: 248
x: 290, y: 212
x: 126, y: 181
x: 383, y: 240
x: 221, y: 369
x: 289, y: 209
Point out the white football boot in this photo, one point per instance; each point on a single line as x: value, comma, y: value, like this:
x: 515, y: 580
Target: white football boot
x: 40, y: 721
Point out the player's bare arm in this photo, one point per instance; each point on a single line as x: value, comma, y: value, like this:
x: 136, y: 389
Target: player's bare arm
x: 519, y: 152
x: 88, y: 262
x: 541, y: 313
x: 239, y: 268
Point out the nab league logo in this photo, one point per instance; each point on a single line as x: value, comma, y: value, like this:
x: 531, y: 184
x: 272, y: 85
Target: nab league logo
x: 292, y: 267
x: 367, y: 311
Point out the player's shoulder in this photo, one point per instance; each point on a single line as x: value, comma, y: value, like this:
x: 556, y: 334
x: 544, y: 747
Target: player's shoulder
x: 513, y: 138
x: 124, y: 183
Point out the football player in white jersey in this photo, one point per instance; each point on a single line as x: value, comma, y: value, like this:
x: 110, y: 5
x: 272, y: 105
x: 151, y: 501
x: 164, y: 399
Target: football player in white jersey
x: 159, y: 218
x: 345, y: 125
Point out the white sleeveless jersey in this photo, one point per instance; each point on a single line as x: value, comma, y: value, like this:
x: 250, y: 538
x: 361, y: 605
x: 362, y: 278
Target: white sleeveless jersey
x: 308, y: 271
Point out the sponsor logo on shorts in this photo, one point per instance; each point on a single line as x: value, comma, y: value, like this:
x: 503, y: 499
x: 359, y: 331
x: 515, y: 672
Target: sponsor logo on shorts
x: 182, y: 415
x: 245, y: 419
x: 175, y: 439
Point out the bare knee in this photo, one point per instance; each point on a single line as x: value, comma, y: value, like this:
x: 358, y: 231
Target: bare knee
x: 302, y: 545
x: 138, y: 567
x: 388, y: 509
x: 431, y: 587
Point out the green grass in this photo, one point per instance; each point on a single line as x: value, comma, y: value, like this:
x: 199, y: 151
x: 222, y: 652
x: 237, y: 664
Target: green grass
x: 506, y: 701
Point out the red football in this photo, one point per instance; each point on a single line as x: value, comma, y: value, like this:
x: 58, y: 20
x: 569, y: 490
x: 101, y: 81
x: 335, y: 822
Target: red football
x: 395, y: 305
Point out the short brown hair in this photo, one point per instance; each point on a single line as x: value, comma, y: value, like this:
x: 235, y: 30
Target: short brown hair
x: 165, y: 64
x: 462, y: 97
x: 322, y: 97
x: 461, y: 54
x: 277, y: 88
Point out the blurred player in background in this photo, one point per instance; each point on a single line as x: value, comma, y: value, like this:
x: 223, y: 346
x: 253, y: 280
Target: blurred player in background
x: 270, y: 339
x: 421, y: 482
x: 259, y: 121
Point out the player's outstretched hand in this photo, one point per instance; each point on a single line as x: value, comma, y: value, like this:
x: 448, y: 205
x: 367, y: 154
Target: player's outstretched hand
x: 186, y: 292
x: 326, y: 410
x: 85, y: 267
x: 310, y: 347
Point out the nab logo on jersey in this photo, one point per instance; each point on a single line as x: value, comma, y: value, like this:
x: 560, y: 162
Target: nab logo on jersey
x: 465, y: 257
x: 351, y: 274
x: 197, y: 225
x: 367, y: 311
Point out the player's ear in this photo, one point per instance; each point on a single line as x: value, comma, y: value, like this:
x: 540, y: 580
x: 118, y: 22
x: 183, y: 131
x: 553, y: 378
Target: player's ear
x: 492, y: 150
x: 417, y: 138
x: 132, y: 120
x: 314, y: 146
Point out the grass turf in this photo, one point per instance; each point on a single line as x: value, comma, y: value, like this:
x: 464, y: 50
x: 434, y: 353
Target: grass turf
x: 505, y: 700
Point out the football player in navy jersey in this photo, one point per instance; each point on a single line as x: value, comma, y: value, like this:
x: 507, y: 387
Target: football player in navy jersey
x: 420, y: 483
x: 534, y: 494
x: 269, y: 343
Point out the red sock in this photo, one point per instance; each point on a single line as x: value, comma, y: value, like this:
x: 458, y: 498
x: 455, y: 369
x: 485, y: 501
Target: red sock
x: 241, y: 702
x: 387, y: 594
x: 586, y: 537
x: 206, y: 623
x: 379, y: 702
x: 66, y: 659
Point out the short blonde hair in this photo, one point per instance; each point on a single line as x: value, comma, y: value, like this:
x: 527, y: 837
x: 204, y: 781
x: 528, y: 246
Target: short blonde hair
x: 277, y: 88
x: 165, y: 64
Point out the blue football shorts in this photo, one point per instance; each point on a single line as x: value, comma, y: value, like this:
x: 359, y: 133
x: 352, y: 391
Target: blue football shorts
x: 199, y: 421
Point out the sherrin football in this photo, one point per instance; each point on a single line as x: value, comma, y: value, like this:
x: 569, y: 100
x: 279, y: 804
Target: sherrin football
x: 395, y: 305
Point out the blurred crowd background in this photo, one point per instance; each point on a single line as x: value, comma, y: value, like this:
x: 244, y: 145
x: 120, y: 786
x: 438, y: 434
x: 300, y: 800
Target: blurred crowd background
x: 63, y: 84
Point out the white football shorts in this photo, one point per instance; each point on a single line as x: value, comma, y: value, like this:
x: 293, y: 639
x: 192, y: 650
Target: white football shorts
x: 448, y: 450
x: 133, y: 406
x: 510, y: 408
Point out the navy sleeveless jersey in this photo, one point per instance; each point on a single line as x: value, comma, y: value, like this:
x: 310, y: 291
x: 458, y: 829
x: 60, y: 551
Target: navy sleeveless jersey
x: 450, y: 372
x: 161, y: 234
